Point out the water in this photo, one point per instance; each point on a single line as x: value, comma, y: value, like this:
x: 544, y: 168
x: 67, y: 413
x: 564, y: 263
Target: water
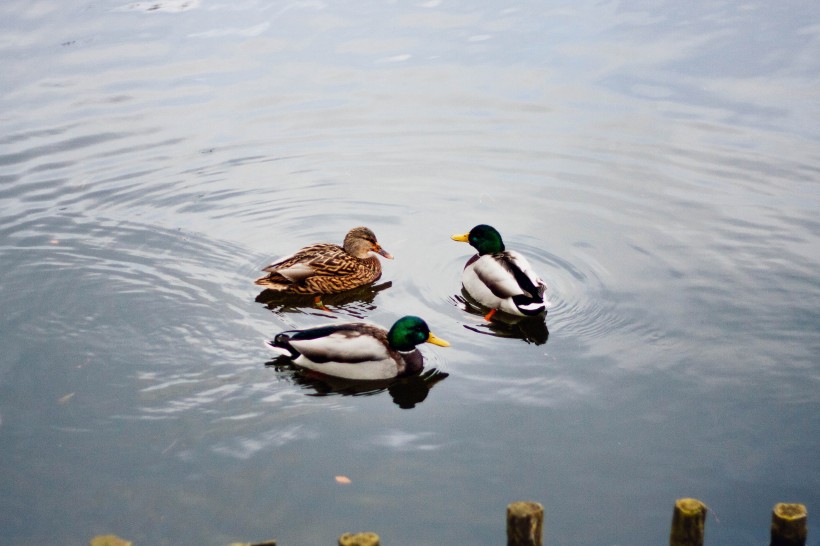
x: 656, y: 162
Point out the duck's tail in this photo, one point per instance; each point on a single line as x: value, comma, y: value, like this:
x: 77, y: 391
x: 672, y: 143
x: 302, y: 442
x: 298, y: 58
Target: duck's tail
x: 281, y: 344
x: 272, y: 282
x: 528, y: 306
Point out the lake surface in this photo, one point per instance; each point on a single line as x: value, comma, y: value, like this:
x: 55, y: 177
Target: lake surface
x: 657, y: 162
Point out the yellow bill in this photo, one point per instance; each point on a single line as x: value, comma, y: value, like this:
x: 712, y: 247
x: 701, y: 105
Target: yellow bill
x: 437, y: 341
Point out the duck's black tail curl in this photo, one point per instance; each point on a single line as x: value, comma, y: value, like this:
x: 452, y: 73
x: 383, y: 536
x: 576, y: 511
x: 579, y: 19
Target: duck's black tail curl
x: 530, y: 307
x: 281, y: 344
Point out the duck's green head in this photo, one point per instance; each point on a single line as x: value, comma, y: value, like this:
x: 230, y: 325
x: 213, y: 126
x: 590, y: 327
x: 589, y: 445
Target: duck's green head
x: 485, y: 239
x: 410, y: 331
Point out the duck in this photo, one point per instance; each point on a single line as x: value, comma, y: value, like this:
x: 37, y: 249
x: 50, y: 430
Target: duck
x: 358, y: 350
x: 327, y: 268
x: 500, y: 279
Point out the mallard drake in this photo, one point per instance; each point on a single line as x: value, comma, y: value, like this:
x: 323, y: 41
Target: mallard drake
x: 358, y: 350
x: 500, y: 279
x: 325, y: 268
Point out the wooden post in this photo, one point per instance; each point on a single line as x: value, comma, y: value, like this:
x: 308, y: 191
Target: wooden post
x: 109, y: 540
x: 359, y: 539
x: 525, y: 523
x: 789, y: 524
x: 688, y: 521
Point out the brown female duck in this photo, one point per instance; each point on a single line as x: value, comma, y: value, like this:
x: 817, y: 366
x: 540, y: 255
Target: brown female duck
x: 325, y: 268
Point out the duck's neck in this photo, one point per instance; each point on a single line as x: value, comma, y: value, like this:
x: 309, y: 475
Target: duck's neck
x: 413, y: 362
x: 374, y: 268
x: 373, y: 262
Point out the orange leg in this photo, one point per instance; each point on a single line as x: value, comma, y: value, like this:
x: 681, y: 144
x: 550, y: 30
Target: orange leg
x: 489, y: 315
x: 318, y: 302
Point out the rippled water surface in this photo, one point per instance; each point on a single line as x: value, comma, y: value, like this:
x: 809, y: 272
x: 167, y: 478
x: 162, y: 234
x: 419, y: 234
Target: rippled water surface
x: 657, y: 162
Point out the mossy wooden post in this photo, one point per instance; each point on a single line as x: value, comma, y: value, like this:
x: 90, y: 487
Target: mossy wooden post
x: 789, y: 525
x: 688, y: 521
x: 359, y: 539
x: 525, y: 523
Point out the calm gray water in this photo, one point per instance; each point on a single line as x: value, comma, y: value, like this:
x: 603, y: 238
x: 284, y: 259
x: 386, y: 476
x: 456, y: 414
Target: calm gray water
x: 658, y: 162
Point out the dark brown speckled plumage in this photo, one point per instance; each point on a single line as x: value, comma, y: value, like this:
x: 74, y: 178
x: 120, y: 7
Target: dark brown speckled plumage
x: 325, y: 268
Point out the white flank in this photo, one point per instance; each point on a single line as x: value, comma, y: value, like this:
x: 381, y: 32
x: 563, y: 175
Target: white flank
x: 370, y: 370
x: 350, y: 357
x: 496, y: 276
x: 340, y: 347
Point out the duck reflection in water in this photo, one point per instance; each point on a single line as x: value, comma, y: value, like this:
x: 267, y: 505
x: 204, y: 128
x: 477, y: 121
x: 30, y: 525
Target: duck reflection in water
x: 406, y: 392
x: 356, y: 303
x: 530, y: 329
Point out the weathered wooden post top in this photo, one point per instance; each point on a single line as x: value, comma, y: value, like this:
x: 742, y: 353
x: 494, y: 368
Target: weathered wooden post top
x: 688, y: 521
x: 525, y: 523
x: 359, y: 539
x: 789, y: 524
